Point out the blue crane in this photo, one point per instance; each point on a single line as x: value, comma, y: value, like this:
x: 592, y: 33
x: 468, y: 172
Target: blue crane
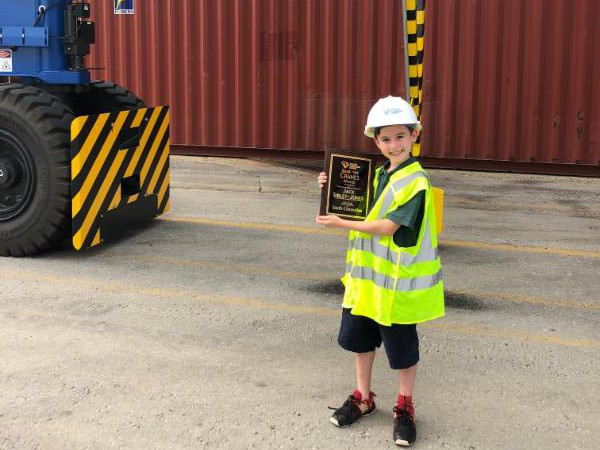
x: 78, y: 157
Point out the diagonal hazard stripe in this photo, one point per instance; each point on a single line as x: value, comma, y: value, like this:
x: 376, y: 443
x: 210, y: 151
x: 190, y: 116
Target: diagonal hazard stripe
x: 92, y: 214
x: 146, y: 140
x: 91, y: 177
x: 85, y: 162
x: 139, y: 117
x: 163, y: 196
x: 150, y: 129
x: 84, y: 152
x: 78, y: 220
x: 110, y: 153
x: 164, y: 155
x: 77, y: 126
x: 150, y: 160
x: 105, y: 195
x: 101, y: 159
x: 163, y: 182
x: 149, y: 143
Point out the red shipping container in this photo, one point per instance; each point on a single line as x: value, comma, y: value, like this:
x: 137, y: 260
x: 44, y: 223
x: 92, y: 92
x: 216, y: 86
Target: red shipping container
x: 505, y: 80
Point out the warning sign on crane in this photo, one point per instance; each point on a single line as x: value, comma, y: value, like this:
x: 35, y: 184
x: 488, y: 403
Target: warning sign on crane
x: 5, y: 60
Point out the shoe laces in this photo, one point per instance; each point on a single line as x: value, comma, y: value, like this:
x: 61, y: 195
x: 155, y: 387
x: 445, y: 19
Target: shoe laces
x: 402, y: 416
x: 346, y: 408
x: 350, y: 405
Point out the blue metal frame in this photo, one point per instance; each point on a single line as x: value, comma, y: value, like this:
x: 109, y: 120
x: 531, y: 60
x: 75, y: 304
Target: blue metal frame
x: 37, y: 51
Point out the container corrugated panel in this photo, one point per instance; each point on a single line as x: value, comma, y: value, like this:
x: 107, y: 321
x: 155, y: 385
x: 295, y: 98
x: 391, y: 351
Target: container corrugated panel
x: 505, y: 80
x: 274, y: 74
x: 513, y: 80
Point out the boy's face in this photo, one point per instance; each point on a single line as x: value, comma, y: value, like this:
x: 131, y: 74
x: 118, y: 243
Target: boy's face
x: 395, y: 142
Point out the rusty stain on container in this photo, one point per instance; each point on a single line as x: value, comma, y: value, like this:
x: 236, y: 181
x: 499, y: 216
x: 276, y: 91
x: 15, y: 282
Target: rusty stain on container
x: 505, y: 80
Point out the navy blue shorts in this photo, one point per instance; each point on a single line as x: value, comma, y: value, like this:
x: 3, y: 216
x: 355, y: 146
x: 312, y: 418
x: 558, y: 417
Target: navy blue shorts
x: 360, y: 334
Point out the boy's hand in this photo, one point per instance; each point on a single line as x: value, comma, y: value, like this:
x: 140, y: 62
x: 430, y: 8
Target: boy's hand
x: 322, y: 179
x: 330, y: 221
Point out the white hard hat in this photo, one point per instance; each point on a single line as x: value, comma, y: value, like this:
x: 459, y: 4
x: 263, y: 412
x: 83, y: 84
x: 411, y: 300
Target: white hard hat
x: 390, y: 111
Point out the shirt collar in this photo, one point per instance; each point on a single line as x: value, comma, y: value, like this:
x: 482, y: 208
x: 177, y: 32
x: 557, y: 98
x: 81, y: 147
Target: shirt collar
x: 411, y: 159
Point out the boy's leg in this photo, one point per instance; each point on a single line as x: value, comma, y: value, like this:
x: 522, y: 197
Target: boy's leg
x: 364, y: 369
x: 405, y: 429
x: 406, y: 384
x: 361, y: 336
x: 402, y: 348
x: 406, y: 381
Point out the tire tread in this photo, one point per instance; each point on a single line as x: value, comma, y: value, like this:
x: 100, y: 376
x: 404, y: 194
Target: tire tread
x: 51, y: 120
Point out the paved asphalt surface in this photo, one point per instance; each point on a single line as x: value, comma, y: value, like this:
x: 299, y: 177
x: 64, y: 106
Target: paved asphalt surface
x: 216, y: 326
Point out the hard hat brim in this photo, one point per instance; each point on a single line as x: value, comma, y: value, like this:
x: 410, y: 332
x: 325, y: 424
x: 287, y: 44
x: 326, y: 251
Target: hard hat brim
x: 370, y: 131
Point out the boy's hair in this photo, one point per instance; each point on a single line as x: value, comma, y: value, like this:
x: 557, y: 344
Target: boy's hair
x: 411, y: 128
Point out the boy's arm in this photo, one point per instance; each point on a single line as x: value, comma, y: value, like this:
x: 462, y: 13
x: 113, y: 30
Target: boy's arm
x: 384, y: 227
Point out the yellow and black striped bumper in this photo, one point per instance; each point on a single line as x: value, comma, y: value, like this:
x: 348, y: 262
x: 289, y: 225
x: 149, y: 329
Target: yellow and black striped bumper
x: 119, y: 164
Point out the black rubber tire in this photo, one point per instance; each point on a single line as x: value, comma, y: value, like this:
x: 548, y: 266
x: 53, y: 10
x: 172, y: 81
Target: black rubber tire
x: 42, y: 123
x: 105, y: 96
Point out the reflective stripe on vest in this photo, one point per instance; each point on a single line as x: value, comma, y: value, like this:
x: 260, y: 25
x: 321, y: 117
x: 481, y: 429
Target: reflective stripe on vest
x: 387, y: 282
x: 395, y: 187
x: 427, y: 252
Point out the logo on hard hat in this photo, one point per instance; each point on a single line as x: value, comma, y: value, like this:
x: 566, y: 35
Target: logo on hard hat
x: 392, y: 111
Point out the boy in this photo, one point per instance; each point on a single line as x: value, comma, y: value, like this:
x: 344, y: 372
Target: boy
x: 393, y: 274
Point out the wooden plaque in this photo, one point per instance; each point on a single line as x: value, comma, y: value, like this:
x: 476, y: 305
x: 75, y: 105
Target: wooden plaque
x: 349, y: 187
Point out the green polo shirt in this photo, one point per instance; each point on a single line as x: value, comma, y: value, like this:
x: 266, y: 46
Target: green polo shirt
x: 409, y: 215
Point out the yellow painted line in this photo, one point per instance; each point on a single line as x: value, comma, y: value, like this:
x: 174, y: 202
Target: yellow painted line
x: 338, y: 232
x: 257, y: 226
x: 247, y: 269
x: 253, y: 269
x: 458, y: 200
x: 528, y: 299
x: 521, y: 248
x: 141, y: 291
x: 511, y: 334
x: 186, y: 294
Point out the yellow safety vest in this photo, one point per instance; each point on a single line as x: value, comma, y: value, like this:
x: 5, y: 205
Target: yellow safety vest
x: 392, y: 284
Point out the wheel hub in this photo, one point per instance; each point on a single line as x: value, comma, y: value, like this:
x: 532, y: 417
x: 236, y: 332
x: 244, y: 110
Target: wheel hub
x: 7, y: 173
x: 16, y: 176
